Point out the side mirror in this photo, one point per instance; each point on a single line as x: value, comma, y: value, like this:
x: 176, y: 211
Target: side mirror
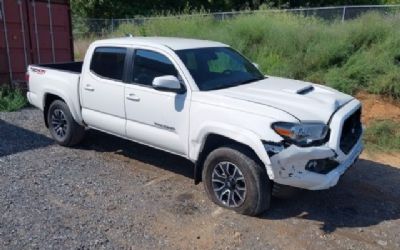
x: 256, y: 65
x: 168, y: 83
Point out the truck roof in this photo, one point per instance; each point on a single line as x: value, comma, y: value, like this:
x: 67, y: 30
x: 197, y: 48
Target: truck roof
x: 174, y: 43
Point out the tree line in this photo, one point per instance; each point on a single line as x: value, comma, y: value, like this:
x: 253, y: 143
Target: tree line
x: 132, y: 8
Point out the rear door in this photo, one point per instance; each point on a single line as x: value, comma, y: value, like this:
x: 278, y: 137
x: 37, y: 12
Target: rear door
x: 102, y: 90
x: 155, y: 117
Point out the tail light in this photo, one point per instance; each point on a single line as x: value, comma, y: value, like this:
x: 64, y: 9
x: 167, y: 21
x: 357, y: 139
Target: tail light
x: 27, y: 80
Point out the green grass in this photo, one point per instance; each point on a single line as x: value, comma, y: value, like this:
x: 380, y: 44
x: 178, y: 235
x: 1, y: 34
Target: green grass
x: 11, y: 99
x: 362, y: 54
x: 383, y: 136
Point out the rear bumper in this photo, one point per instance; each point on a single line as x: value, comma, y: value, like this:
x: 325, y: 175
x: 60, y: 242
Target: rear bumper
x: 290, y: 164
x: 33, y: 99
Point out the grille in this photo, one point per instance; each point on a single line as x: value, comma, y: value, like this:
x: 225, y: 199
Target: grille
x: 351, y: 132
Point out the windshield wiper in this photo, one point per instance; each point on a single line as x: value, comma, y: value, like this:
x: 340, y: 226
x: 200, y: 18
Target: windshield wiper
x: 247, y: 81
x: 224, y: 86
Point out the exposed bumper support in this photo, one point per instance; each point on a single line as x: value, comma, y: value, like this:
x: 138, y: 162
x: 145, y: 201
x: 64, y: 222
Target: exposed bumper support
x: 289, y: 166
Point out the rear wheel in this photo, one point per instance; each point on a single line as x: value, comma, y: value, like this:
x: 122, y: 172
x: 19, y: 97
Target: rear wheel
x: 232, y: 179
x: 63, y: 128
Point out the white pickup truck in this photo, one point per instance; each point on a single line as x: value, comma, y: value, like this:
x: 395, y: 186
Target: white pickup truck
x: 248, y: 135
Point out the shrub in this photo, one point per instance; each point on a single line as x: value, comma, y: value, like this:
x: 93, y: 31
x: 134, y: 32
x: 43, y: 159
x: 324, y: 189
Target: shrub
x: 383, y: 135
x: 11, y: 99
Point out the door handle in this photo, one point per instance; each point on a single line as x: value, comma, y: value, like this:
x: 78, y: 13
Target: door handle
x: 89, y: 88
x: 133, y: 97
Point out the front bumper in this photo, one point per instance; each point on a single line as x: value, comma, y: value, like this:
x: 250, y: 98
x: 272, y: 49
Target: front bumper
x: 289, y: 165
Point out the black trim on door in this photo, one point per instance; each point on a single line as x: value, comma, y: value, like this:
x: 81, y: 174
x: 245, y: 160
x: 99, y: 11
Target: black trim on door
x: 128, y: 72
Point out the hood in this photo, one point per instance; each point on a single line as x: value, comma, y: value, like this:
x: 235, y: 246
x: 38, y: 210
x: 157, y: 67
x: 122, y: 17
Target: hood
x: 303, y: 100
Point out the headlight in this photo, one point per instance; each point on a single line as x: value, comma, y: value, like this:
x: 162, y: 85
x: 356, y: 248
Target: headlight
x: 301, y: 133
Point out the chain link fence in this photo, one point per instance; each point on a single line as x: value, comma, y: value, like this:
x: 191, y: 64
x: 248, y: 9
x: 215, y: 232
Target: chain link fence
x: 103, y: 27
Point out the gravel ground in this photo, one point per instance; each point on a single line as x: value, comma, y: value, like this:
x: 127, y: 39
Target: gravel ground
x: 111, y: 193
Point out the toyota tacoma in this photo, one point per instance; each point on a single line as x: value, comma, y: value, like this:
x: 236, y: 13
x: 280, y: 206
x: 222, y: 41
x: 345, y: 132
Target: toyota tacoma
x: 247, y: 134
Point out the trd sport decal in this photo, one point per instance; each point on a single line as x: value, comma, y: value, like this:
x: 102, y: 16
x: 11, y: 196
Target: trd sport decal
x: 38, y: 71
x: 164, y: 126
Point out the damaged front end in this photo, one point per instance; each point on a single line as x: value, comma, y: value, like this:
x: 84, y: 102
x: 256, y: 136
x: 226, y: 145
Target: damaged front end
x: 312, y: 168
x: 320, y: 166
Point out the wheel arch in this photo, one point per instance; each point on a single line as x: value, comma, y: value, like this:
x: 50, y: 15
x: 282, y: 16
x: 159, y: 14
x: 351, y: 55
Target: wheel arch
x: 50, y: 97
x: 214, y: 140
x: 47, y: 101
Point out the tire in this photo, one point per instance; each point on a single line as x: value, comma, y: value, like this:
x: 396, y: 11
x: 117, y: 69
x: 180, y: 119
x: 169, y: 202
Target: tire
x: 63, y: 128
x: 249, y: 175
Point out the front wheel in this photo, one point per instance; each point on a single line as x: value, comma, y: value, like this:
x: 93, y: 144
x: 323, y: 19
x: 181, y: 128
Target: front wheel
x: 63, y: 128
x: 234, y: 180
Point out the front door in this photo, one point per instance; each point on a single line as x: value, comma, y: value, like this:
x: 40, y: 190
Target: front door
x: 155, y: 117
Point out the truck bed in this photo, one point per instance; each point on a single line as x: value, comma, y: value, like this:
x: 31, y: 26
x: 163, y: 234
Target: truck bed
x: 61, y: 79
x: 74, y: 67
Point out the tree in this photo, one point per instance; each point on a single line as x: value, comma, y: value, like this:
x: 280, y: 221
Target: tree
x: 131, y: 8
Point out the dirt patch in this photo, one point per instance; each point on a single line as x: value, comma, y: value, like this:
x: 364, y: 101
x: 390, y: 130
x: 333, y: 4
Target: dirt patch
x: 376, y: 107
x: 392, y: 159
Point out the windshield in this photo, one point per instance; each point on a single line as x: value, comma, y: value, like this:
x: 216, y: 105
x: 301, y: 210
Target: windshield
x: 219, y: 67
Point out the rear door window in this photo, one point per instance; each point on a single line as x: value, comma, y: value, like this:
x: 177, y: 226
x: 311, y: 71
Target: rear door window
x: 108, y: 62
